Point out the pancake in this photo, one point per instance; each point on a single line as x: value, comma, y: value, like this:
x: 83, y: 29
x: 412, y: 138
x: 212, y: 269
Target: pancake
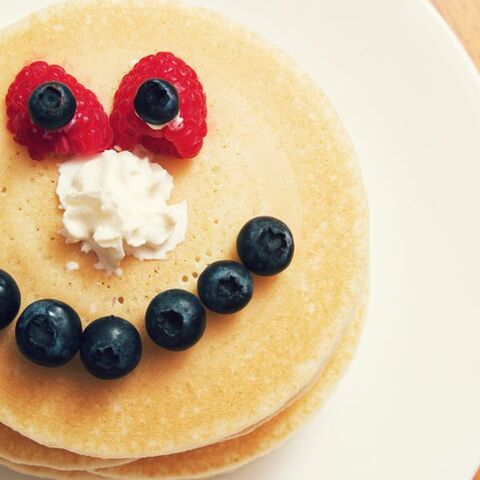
x: 17, y: 449
x: 234, y: 453
x: 49, y: 472
x: 273, y: 136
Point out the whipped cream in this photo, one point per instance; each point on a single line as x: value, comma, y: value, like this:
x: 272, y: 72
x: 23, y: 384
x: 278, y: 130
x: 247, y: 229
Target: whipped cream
x: 116, y: 205
x: 72, y: 266
x: 175, y: 123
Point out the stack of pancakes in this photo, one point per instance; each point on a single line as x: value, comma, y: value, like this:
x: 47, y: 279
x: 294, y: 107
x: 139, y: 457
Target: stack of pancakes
x: 275, y: 147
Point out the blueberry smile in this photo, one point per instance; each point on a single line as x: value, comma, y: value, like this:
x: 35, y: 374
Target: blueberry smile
x: 225, y: 287
x: 49, y: 332
x: 110, y: 348
x: 175, y: 320
x: 265, y: 245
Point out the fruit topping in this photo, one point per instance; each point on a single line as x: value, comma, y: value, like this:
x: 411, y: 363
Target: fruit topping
x: 110, y: 348
x: 175, y: 319
x: 48, y: 333
x: 156, y: 102
x: 9, y: 299
x: 265, y: 245
x: 39, y: 109
x: 183, y: 135
x: 225, y: 286
x: 52, y: 106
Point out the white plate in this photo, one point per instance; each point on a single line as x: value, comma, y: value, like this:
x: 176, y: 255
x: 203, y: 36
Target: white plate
x: 409, y: 407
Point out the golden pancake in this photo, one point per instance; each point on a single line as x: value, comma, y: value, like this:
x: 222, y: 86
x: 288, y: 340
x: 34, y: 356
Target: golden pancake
x: 275, y: 147
x: 233, y: 453
x: 17, y: 449
x: 49, y: 472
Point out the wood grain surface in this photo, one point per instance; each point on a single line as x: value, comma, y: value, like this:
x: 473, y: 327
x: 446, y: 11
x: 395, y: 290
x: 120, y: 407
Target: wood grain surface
x: 464, y: 18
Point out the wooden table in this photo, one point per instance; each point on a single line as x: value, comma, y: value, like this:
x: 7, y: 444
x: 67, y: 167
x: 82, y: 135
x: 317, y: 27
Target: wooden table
x: 464, y: 18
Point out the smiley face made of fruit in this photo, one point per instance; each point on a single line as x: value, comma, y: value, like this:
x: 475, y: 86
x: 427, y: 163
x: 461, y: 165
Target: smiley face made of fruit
x: 115, y: 203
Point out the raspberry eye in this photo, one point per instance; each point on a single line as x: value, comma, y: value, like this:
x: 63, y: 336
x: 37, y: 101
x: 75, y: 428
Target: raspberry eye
x: 42, y: 100
x: 161, y: 105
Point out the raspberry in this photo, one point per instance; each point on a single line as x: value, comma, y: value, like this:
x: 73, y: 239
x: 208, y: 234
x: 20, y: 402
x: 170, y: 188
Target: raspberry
x: 88, y: 133
x: 183, y: 136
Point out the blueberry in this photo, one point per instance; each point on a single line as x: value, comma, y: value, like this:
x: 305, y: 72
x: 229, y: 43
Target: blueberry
x: 265, y: 245
x: 156, y: 102
x: 175, y: 319
x: 48, y: 333
x: 52, y: 105
x: 110, y: 348
x: 225, y: 287
x: 9, y: 299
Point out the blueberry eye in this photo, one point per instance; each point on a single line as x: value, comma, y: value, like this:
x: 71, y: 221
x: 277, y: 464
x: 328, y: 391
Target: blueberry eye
x: 52, y: 106
x: 156, y: 102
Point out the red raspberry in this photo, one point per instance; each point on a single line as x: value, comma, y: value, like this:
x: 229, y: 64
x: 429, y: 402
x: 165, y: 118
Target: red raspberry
x: 183, y: 138
x: 88, y: 133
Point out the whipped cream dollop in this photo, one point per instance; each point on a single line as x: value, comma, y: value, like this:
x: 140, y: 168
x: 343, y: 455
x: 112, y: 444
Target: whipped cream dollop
x: 115, y: 205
